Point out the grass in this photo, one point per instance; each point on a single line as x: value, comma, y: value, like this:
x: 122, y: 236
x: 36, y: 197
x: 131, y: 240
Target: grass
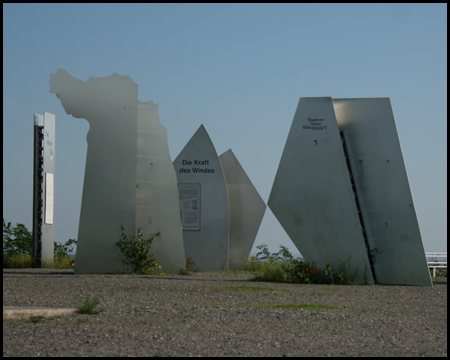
x: 439, y: 273
x: 279, y: 267
x: 59, y: 263
x: 36, y: 319
x: 298, y: 271
x: 183, y: 272
x: 90, y: 306
x: 298, y: 307
x: 26, y: 261
x: 241, y: 288
x: 18, y: 261
x: 14, y: 322
x: 311, y: 307
x: 232, y: 272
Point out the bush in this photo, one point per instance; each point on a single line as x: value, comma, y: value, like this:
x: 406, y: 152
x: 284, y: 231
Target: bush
x: 254, y: 264
x: 62, y: 258
x: 273, y: 270
x: 283, y: 267
x: 136, y: 251
x: 18, y: 249
x: 62, y: 250
x: 17, y: 240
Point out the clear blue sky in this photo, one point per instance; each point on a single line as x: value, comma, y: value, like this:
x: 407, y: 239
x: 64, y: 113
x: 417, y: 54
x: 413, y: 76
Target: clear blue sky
x: 240, y: 70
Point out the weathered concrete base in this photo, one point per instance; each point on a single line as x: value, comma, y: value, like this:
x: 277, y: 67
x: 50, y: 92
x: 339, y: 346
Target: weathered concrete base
x: 16, y: 312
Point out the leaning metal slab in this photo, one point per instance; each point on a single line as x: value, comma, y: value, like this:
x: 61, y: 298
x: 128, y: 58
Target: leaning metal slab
x: 110, y: 105
x: 246, y: 210
x: 203, y: 203
x: 157, y: 206
x: 383, y: 190
x: 312, y: 196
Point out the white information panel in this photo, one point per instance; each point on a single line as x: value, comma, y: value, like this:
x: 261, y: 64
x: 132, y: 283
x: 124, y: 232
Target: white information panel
x: 49, y: 186
x: 190, y: 205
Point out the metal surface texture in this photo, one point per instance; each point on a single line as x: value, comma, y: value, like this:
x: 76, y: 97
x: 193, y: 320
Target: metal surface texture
x: 110, y: 105
x: 38, y: 185
x: 43, y: 188
x: 157, y: 206
x: 383, y: 190
x: 246, y: 210
x: 198, y: 163
x: 312, y: 196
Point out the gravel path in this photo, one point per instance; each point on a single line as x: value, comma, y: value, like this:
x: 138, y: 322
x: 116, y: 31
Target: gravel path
x: 210, y: 314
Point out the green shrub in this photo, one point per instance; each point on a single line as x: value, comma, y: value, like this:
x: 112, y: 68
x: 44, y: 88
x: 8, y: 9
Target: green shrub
x: 272, y: 270
x: 18, y: 250
x: 17, y: 240
x: 62, y: 251
x: 253, y: 264
x: 62, y: 259
x: 90, y: 306
x: 136, y: 250
x: 283, y: 267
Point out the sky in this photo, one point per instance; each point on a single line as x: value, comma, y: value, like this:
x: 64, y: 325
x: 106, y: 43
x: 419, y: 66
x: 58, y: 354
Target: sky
x: 238, y: 69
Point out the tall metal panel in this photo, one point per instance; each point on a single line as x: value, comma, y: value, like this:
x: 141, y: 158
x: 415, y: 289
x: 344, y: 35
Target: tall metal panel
x: 382, y: 185
x: 48, y: 228
x: 157, y: 206
x: 38, y: 185
x: 203, y: 203
x: 110, y: 105
x: 43, y: 187
x: 246, y: 210
x: 312, y: 196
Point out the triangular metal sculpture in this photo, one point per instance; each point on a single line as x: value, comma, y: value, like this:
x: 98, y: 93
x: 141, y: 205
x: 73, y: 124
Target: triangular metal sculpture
x: 340, y: 179
x: 110, y: 183
x: 203, y: 203
x: 384, y: 195
x: 247, y: 210
x: 312, y: 196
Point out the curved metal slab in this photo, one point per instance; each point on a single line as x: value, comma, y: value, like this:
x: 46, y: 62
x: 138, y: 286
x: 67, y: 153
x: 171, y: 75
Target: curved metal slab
x: 157, y: 206
x: 246, y: 210
x: 203, y: 203
x: 312, y: 196
x: 110, y: 105
x: 383, y: 190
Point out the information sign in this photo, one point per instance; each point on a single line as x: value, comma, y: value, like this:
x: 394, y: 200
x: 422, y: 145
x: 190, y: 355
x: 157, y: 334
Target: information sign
x: 49, y: 186
x: 190, y: 200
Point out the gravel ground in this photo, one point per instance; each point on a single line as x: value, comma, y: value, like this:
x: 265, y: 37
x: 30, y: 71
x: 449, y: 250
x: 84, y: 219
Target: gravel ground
x: 216, y: 314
